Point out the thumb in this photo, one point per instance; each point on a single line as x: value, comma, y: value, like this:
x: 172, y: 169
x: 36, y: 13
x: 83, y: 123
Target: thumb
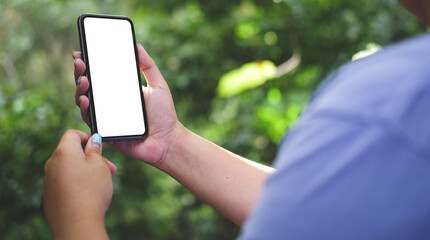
x: 93, y: 149
x: 94, y: 145
x: 149, y: 68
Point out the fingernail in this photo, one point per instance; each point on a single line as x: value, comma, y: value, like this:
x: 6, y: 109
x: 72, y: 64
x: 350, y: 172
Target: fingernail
x: 74, y: 62
x: 141, y: 45
x: 97, y: 140
x: 78, y: 81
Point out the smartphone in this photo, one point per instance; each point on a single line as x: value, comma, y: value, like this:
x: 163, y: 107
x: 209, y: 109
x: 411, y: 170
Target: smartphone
x: 117, y: 107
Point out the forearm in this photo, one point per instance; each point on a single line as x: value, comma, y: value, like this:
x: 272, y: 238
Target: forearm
x: 229, y: 183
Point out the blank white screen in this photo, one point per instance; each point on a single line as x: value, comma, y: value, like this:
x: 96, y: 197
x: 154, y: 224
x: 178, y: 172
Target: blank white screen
x: 114, y: 77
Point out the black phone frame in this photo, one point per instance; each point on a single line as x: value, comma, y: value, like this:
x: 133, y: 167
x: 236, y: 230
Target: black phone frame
x: 89, y: 93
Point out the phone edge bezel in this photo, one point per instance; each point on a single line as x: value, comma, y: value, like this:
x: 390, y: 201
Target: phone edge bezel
x: 84, y: 56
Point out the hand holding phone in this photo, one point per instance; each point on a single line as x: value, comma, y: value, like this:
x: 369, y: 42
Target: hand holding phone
x: 108, y: 46
x: 164, y: 126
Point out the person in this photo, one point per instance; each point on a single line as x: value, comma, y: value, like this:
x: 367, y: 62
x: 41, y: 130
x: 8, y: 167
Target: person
x: 355, y: 166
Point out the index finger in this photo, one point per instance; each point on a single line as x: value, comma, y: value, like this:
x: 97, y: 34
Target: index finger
x: 75, y: 138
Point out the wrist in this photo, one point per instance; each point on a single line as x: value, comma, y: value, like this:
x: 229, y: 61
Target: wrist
x: 80, y: 228
x: 176, y: 146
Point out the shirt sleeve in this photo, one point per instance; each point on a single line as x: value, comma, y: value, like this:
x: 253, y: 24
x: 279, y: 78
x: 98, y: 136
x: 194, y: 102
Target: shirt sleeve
x: 342, y: 177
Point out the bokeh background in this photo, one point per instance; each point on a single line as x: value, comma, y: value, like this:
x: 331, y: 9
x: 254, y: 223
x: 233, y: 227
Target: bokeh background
x: 195, y: 44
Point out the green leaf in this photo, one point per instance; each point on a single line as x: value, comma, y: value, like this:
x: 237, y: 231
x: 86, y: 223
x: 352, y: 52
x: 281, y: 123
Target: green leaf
x: 248, y: 76
x: 371, y: 48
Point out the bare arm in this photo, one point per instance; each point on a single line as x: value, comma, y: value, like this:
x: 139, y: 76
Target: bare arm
x: 227, y: 182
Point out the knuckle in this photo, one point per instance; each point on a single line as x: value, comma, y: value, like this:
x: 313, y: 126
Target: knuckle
x: 58, y: 152
x: 69, y: 132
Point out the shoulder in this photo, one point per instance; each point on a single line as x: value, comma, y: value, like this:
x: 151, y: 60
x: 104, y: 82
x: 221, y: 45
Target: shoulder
x: 398, y: 66
x: 390, y: 89
x: 399, y: 69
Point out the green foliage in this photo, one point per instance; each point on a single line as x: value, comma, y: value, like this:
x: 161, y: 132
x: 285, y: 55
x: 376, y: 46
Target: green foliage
x: 195, y: 43
x: 248, y: 76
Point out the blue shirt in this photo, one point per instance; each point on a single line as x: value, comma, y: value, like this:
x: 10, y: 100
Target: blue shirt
x: 357, y: 163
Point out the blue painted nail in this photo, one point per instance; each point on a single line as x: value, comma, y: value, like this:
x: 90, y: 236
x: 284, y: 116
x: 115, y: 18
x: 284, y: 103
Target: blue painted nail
x: 78, y: 81
x: 141, y: 45
x: 97, y: 139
